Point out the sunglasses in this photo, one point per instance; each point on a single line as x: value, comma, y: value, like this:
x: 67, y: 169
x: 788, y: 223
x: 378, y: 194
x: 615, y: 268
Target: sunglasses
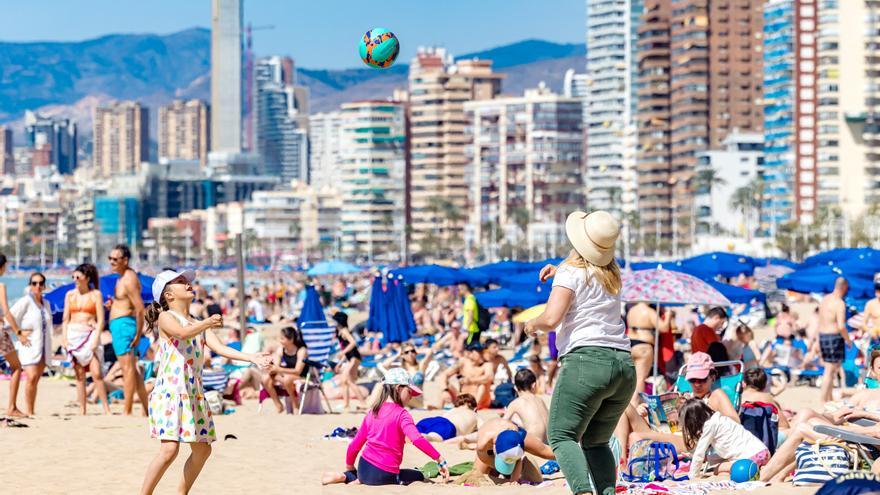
x: 38, y: 284
x: 114, y: 259
x: 698, y: 380
x: 411, y: 351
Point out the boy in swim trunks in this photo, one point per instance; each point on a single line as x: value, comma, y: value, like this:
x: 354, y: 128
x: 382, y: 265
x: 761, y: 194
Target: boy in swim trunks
x: 528, y: 407
x: 501, y: 449
x: 833, y: 336
x: 126, y: 320
x: 461, y: 420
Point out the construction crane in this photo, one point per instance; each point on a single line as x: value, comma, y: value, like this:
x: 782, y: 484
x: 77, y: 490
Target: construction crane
x: 249, y: 83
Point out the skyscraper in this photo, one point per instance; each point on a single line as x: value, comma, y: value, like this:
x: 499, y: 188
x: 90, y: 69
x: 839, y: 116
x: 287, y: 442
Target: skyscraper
x: 226, y: 75
x: 610, y: 97
x: 55, y: 137
x: 325, y: 144
x: 184, y: 131
x: 525, y: 171
x: 372, y: 169
x: 121, y: 138
x: 7, y: 162
x: 282, y: 119
x: 438, y: 187
x: 790, y: 140
x: 685, y: 108
x: 848, y: 106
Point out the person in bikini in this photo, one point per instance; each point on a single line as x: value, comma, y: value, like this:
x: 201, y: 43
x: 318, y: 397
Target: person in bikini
x: 642, y: 323
x: 83, y: 322
x: 833, y: 336
x: 126, y: 322
x: 474, y: 377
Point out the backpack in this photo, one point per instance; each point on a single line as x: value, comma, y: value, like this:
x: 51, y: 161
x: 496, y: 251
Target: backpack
x: 762, y: 420
x: 652, y: 461
x: 484, y: 318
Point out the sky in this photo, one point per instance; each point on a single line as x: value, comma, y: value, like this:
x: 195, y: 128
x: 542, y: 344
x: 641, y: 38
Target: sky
x: 316, y: 33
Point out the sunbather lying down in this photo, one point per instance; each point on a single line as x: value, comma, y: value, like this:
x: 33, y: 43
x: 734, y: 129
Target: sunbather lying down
x: 804, y: 428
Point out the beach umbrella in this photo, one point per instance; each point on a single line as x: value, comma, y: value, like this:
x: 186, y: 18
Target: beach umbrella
x: 475, y: 277
x: 399, y: 326
x: 710, y: 265
x: 511, y: 298
x: 840, y: 254
x: 332, y: 268
x: 377, y: 306
x: 821, y: 278
x: 738, y: 295
x: 408, y: 316
x: 659, y: 286
x: 432, y: 274
x: 525, y: 281
x: 312, y: 310
x: 55, y: 297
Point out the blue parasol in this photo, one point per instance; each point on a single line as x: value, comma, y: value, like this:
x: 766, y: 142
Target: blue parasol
x: 408, y: 317
x: 108, y: 288
x: 332, y: 268
x: 377, y: 301
x: 433, y: 274
x: 511, y: 298
x: 710, y: 265
x: 312, y: 310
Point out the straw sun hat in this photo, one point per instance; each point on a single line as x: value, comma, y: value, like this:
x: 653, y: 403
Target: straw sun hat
x: 593, y: 235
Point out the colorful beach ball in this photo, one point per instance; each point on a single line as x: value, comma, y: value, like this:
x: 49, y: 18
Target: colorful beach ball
x: 379, y: 48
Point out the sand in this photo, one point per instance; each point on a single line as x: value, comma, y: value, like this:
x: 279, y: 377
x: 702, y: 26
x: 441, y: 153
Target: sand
x: 64, y: 453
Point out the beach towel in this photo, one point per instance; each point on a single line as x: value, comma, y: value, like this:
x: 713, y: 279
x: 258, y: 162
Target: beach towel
x: 78, y: 348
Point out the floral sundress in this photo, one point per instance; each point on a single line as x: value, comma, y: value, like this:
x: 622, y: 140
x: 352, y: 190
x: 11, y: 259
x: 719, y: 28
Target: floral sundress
x: 178, y: 409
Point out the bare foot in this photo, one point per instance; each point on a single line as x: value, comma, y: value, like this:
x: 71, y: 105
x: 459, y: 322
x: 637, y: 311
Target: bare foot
x: 280, y: 408
x: 332, y: 478
x: 15, y: 413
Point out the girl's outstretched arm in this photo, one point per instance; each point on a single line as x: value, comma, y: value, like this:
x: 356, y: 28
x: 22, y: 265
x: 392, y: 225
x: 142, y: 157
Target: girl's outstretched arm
x: 263, y: 361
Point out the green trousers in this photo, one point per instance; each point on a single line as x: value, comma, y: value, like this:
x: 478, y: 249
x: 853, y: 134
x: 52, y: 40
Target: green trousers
x: 592, y: 391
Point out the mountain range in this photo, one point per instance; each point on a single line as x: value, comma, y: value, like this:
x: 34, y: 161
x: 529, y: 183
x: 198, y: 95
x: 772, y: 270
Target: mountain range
x: 71, y: 78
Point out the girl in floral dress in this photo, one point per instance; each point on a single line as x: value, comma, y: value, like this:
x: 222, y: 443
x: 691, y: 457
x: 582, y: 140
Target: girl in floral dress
x: 178, y: 409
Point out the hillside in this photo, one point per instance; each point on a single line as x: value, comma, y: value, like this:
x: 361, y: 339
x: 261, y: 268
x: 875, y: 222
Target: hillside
x: 71, y: 78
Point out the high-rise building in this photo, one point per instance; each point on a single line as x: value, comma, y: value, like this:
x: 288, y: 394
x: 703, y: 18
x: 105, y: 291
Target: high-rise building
x: 325, y: 141
x: 7, y: 160
x: 438, y: 188
x: 525, y: 170
x: 790, y: 140
x: 184, y: 132
x: 121, y: 138
x: 282, y: 119
x: 55, y: 136
x: 610, y: 97
x: 373, y: 167
x: 685, y: 108
x: 226, y: 75
x: 848, y: 105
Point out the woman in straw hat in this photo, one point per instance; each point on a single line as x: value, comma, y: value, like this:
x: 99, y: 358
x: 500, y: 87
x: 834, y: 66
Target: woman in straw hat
x: 597, y: 376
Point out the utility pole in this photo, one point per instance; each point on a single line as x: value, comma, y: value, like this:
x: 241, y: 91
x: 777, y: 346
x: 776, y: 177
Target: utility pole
x: 239, y: 259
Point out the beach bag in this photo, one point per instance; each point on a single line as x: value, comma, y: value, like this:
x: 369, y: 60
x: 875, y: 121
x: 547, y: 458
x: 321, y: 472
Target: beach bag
x: 762, y: 420
x: 504, y: 395
x: 821, y: 462
x: 652, y: 461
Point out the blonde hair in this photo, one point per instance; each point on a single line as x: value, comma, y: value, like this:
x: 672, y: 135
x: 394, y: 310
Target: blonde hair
x: 608, y: 275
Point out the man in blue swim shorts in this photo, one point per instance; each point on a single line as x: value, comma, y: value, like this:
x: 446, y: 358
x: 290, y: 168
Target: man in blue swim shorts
x: 126, y: 320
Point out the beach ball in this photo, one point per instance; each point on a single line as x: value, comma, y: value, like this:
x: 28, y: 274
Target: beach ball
x: 379, y: 48
x: 744, y: 470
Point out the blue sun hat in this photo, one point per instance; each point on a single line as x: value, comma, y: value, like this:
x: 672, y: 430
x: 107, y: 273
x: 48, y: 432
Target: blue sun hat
x: 509, y: 449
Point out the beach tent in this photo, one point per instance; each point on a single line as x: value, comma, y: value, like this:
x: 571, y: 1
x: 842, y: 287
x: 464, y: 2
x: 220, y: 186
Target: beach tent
x: 332, y: 268
x: 108, y: 287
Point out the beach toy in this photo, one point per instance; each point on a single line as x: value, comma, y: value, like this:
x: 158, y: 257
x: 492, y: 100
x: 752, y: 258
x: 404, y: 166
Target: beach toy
x: 744, y: 470
x: 550, y: 467
x: 379, y: 48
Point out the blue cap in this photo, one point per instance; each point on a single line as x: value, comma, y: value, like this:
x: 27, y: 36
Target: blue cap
x: 508, y: 450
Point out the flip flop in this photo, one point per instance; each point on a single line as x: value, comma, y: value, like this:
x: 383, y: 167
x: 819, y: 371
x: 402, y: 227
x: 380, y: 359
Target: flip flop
x: 11, y: 423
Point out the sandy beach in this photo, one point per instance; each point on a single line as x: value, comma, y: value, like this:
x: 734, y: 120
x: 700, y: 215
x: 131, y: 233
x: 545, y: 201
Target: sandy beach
x: 64, y: 453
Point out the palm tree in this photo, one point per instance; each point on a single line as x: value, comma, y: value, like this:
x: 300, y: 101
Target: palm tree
x: 743, y: 201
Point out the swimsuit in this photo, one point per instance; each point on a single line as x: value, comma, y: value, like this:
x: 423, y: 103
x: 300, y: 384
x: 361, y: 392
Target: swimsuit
x: 635, y: 342
x: 352, y: 354
x: 289, y: 361
x: 439, y: 425
x: 123, y: 330
x: 833, y: 347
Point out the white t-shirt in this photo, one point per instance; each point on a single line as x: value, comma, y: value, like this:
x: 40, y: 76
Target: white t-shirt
x: 256, y: 308
x: 729, y: 439
x: 593, y: 318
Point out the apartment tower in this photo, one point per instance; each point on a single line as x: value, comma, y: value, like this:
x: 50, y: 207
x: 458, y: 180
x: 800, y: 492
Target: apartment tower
x: 438, y: 187
x: 226, y: 75
x: 184, y: 131
x: 121, y: 138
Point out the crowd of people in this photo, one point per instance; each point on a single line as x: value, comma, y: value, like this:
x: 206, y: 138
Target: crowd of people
x: 595, y: 356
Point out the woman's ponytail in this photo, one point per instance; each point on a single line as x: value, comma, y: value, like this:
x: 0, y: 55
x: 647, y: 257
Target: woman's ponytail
x: 151, y: 315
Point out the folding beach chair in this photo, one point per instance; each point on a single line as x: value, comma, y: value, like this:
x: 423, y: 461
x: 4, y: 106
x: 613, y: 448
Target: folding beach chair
x: 320, y: 339
x: 731, y: 384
